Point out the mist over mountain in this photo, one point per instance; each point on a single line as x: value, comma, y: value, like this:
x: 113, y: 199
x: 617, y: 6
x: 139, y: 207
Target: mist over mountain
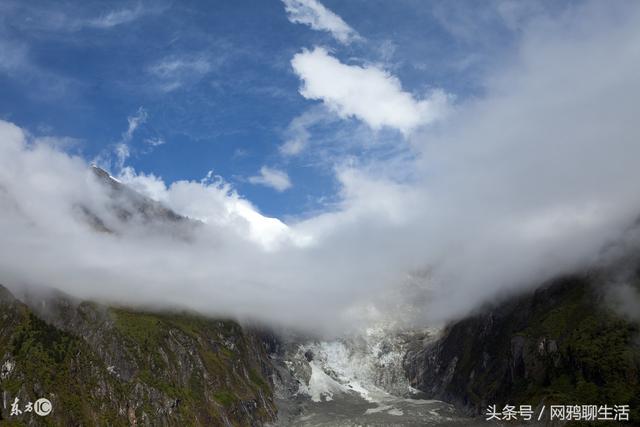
x: 511, y: 188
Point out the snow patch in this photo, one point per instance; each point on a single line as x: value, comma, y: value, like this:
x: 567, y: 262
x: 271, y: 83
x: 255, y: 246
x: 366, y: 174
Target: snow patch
x: 322, y: 386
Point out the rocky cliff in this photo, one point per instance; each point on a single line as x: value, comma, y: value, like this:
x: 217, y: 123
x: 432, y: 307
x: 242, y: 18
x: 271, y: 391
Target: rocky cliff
x: 562, y: 343
x: 115, y: 366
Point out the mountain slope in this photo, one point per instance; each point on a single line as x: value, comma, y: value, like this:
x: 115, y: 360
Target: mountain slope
x: 102, y: 365
x: 560, y: 344
x: 126, y: 206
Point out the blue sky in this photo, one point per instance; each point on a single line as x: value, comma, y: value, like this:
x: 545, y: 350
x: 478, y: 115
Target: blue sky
x: 216, y: 85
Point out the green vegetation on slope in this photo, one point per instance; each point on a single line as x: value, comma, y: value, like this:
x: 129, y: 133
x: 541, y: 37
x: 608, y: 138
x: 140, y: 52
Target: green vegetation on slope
x: 598, y: 355
x: 118, y: 366
x: 561, y: 344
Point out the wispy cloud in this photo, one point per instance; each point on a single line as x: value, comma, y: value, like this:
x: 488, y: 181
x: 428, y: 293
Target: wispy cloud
x: 57, y: 17
x: 122, y: 149
x: 297, y: 134
x: 122, y: 153
x: 19, y: 59
x: 174, y: 72
x: 155, y: 142
x: 273, y: 178
x: 114, y: 18
x: 368, y: 93
x: 17, y: 63
x: 318, y: 17
x: 134, y: 120
x: 117, y: 154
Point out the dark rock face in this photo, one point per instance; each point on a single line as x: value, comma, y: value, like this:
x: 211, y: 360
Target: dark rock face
x: 559, y: 344
x: 113, y: 366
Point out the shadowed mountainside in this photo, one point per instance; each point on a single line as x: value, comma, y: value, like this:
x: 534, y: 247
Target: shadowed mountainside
x: 559, y: 344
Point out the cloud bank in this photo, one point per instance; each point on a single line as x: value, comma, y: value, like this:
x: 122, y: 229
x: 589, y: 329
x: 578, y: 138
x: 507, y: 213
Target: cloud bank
x: 528, y: 181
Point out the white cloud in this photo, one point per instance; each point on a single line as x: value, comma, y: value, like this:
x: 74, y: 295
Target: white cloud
x: 122, y: 150
x: 122, y: 153
x: 113, y: 18
x: 368, y: 93
x: 116, y: 156
x: 298, y: 139
x: 318, y: 17
x: 170, y: 68
x: 212, y: 201
x: 135, y: 120
x: 297, y: 134
x: 174, y: 72
x: 276, y: 179
x: 155, y: 142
